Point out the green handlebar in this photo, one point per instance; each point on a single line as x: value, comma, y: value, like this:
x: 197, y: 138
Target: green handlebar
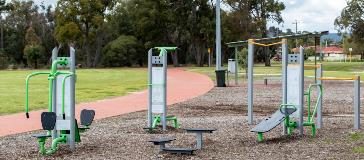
x: 311, y: 115
x: 51, y: 77
x: 56, y: 62
x: 27, y: 90
x: 164, y: 50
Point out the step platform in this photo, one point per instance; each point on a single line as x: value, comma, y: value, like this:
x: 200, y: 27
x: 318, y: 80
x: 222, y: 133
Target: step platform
x: 162, y: 141
x: 199, y: 130
x: 179, y: 150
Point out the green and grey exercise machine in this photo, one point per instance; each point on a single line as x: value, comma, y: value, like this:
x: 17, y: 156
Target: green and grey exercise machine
x: 157, y: 87
x: 292, y: 107
x: 59, y: 121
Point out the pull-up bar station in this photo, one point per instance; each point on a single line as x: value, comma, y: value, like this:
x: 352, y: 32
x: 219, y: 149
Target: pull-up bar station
x: 356, y: 104
x: 271, y: 42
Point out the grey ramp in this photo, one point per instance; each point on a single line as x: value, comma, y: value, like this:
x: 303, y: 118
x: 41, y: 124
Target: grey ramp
x: 269, y: 123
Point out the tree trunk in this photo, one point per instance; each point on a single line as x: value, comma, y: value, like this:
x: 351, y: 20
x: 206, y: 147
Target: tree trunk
x: 98, y: 54
x: 87, y: 47
x: 1, y: 37
x: 197, y: 50
x: 175, y: 59
x: 36, y: 64
x: 267, y: 56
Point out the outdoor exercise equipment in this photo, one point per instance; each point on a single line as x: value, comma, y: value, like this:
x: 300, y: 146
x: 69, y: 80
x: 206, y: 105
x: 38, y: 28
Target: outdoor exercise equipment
x: 356, y: 105
x: 293, y: 94
x: 157, y: 88
x: 60, y: 120
x: 199, y: 141
x: 241, y: 44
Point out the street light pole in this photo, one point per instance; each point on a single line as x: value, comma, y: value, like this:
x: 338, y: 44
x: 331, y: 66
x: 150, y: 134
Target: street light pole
x: 296, y: 23
x: 218, y: 36
x: 220, y: 74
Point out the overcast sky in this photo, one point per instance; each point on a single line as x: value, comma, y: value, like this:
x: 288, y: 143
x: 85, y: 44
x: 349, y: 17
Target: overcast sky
x: 313, y: 15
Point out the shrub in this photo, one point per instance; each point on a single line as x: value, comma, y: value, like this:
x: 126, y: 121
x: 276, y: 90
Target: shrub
x: 123, y: 51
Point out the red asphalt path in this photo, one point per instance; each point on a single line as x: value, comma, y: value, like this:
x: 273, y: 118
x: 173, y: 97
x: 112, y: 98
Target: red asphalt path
x: 181, y: 86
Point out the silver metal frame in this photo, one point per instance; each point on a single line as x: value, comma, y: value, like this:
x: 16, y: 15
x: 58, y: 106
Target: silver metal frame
x: 301, y: 90
x: 71, y: 87
x: 357, y: 103
x: 250, y: 82
x: 319, y: 108
x: 150, y: 90
x: 284, y: 76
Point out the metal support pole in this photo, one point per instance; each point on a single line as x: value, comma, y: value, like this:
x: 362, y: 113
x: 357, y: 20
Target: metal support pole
x: 150, y: 87
x: 199, y: 140
x: 319, y: 108
x: 72, y: 98
x: 218, y: 36
x: 164, y: 117
x: 301, y: 90
x: 357, y: 103
x: 54, y: 91
x: 284, y: 75
x: 236, y: 66
x: 250, y: 81
x: 162, y: 146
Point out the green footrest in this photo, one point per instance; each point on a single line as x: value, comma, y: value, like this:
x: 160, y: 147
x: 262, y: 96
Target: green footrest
x: 158, y: 120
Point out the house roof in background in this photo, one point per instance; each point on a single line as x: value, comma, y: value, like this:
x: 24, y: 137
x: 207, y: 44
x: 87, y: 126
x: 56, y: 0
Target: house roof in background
x: 329, y: 49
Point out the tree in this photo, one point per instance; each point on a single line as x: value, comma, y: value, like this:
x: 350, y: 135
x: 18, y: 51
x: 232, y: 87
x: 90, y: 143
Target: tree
x: 121, y: 52
x: 16, y: 23
x: 3, y: 7
x: 357, y: 48
x: 243, y: 59
x: 254, y: 14
x: 327, y: 42
x: 188, y: 24
x: 352, y: 20
x: 309, y: 52
x: 200, y: 26
x: 33, y: 51
x: 78, y: 21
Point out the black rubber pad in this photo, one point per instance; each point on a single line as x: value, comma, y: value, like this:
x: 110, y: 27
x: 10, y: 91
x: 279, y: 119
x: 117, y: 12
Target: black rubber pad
x: 48, y: 120
x: 87, y: 116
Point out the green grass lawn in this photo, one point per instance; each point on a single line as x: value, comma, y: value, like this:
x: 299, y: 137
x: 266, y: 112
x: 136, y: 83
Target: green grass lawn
x: 95, y: 84
x: 331, y: 69
x: 92, y: 84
